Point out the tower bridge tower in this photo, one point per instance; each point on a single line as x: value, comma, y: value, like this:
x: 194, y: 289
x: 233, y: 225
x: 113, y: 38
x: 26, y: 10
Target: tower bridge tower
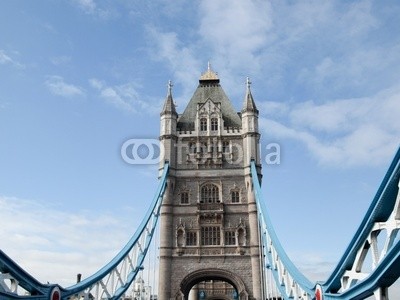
x: 209, y: 238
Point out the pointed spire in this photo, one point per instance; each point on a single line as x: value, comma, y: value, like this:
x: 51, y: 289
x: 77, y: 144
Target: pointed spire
x: 249, y: 104
x: 169, y: 106
x: 170, y: 85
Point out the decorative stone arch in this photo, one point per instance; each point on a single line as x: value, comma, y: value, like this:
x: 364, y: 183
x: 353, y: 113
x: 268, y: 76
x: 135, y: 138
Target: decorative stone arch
x: 211, y: 274
x: 180, y: 237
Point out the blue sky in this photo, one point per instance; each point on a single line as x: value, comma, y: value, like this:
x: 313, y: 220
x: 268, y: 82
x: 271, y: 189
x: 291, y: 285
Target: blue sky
x: 80, y: 77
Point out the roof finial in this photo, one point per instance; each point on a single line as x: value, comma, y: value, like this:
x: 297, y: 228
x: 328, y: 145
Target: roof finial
x: 248, y: 83
x: 170, y: 85
x: 209, y: 74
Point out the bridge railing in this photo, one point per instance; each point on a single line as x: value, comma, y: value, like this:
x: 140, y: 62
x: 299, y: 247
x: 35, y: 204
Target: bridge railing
x: 376, y: 239
x: 110, y: 282
x: 290, y: 282
x: 371, y: 262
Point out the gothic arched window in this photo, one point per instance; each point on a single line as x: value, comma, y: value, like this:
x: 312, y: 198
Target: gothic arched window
x: 209, y: 194
x: 214, y: 124
x: 235, y: 196
x: 184, y: 198
x: 203, y: 124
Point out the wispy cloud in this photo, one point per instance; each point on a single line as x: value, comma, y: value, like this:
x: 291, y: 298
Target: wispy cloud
x: 91, y: 7
x: 59, y: 87
x: 6, y: 59
x: 300, y: 51
x: 236, y: 32
x: 344, y: 132
x: 124, y: 97
x: 181, y: 58
x: 54, y: 245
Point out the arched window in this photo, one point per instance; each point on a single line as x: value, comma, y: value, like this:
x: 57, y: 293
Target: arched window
x: 214, y: 124
x: 203, y: 124
x: 184, y: 198
x: 209, y: 194
x: 235, y: 196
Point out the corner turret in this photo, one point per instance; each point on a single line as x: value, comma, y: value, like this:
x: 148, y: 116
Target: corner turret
x: 251, y: 135
x: 168, y: 137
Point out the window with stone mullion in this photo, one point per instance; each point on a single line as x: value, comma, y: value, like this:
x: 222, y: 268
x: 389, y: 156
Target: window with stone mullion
x: 210, y: 236
x: 209, y: 194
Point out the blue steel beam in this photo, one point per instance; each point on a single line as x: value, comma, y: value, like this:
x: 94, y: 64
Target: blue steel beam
x: 288, y: 278
x: 379, y: 211
x: 99, y: 275
x: 383, y: 214
x: 139, y: 242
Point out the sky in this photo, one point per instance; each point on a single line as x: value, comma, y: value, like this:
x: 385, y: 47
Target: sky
x: 78, y: 78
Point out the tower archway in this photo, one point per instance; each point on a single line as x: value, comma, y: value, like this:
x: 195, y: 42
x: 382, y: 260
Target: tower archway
x: 199, y: 276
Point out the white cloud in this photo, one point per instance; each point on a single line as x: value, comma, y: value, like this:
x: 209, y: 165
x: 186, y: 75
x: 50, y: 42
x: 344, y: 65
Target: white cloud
x: 180, y: 58
x: 346, y: 132
x: 91, y: 7
x: 124, y: 97
x: 59, y: 87
x: 6, y: 59
x: 54, y: 245
x: 236, y: 31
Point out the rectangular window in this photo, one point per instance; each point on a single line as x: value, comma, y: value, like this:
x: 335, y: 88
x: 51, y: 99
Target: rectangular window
x: 191, y: 238
x: 230, y: 238
x: 192, y: 148
x: 225, y: 147
x: 184, y: 198
x: 235, y: 197
x: 210, y: 236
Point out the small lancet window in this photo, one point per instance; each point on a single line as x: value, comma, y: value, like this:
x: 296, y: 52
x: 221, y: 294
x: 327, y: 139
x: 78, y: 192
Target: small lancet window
x: 235, y: 197
x: 214, y: 124
x: 192, y: 148
x: 225, y: 146
x: 184, y: 198
x: 203, y: 124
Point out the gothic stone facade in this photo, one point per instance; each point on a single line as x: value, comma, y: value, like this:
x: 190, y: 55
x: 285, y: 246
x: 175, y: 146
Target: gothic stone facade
x: 208, y: 218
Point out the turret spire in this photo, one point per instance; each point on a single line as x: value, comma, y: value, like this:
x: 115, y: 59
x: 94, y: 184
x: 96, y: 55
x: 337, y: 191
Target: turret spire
x: 169, y: 106
x: 249, y: 104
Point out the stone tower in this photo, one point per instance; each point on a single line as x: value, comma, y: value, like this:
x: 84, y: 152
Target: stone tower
x: 209, y: 239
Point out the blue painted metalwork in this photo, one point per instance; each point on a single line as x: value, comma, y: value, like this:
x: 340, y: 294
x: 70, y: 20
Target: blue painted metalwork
x: 380, y: 209
x: 13, y: 272
x: 347, y: 280
x: 275, y: 253
x: 98, y: 283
